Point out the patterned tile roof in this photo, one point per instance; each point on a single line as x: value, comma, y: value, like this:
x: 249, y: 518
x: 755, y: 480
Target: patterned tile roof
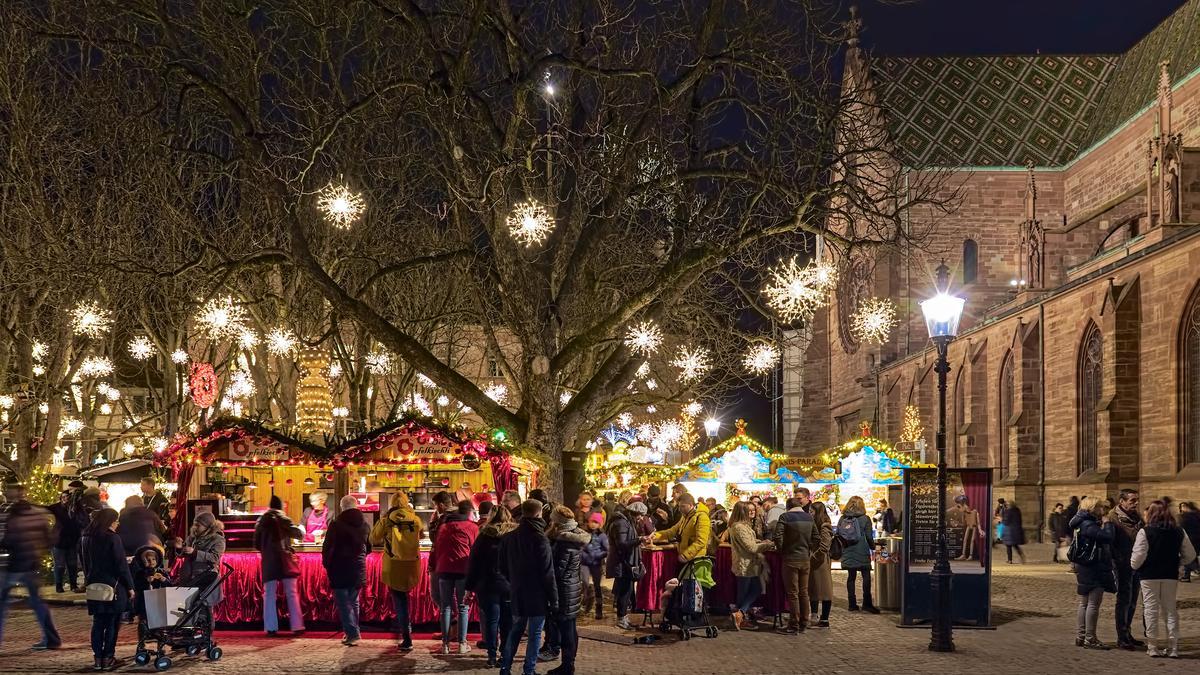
x: 1007, y: 110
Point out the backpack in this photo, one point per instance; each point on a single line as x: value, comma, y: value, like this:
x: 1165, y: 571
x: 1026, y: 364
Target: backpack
x: 847, y: 530
x: 1083, y: 552
x: 836, y: 548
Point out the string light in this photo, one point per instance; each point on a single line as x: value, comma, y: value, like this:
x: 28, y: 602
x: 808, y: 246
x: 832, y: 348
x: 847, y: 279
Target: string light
x: 497, y: 392
x: 87, y: 318
x: 140, y: 348
x: 341, y: 205
x: 529, y: 223
x: 796, y: 291
x: 874, y: 320
x: 761, y: 358
x: 281, y: 341
x: 644, y: 338
x: 379, y: 362
x: 693, y: 362
x: 95, y: 366
x: 314, y: 401
x: 221, y: 318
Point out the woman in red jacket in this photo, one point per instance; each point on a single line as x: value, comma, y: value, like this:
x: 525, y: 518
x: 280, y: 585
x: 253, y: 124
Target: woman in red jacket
x: 451, y: 554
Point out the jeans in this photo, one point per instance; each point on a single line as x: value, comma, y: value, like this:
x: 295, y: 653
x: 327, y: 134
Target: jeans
x: 1087, y: 613
x: 623, y: 595
x: 453, y: 591
x: 435, y: 590
x: 748, y: 590
x: 347, y: 606
x: 568, y: 639
x: 400, y: 604
x: 104, y: 634
x: 866, y: 584
x: 592, y: 576
x: 1126, y: 600
x: 796, y: 578
x: 497, y: 622
x: 30, y: 581
x: 66, y: 559
x: 1158, y: 599
x: 519, y: 623
x: 271, y: 607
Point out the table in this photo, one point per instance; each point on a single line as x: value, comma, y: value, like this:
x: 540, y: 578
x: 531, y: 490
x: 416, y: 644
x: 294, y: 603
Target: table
x: 243, y: 590
x: 662, y: 565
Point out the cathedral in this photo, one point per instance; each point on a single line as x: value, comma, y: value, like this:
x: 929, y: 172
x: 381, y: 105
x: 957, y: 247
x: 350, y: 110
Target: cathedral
x: 1076, y: 244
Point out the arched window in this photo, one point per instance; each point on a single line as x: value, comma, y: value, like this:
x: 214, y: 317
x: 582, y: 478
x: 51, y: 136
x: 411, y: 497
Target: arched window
x: 970, y: 263
x: 1091, y: 386
x: 1189, y: 381
x: 960, y: 414
x: 1006, y: 412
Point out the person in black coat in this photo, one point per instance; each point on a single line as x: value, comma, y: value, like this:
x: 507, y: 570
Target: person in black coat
x: 486, y: 580
x: 138, y: 526
x: 624, y: 564
x: 567, y: 551
x: 528, y: 564
x: 104, y: 563
x: 65, y: 549
x: 344, y: 555
x: 1014, y: 533
x: 1189, y: 520
x: 273, y: 535
x: 1094, y: 535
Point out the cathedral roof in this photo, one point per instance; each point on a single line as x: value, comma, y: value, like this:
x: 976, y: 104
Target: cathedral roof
x: 1007, y: 110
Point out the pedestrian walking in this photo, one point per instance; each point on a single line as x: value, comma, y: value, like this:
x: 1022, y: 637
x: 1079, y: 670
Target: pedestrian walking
x: 591, y: 566
x: 109, y: 586
x: 1014, y: 532
x: 1159, y: 550
x: 567, y: 542
x: 25, y: 535
x: 399, y: 533
x: 796, y: 538
x: 280, y: 567
x: 748, y: 564
x: 491, y: 588
x: 1128, y: 521
x: 344, y: 556
x: 65, y: 550
x: 1056, y: 524
x: 858, y: 543
x: 528, y: 564
x: 624, y: 565
x: 455, y: 536
x: 1091, y: 553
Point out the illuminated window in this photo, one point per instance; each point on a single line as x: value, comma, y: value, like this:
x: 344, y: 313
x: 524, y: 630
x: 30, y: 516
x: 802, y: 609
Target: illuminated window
x: 1091, y: 384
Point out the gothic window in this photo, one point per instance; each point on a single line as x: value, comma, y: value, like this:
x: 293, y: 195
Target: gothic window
x: 1091, y: 382
x: 970, y: 263
x: 960, y: 416
x: 1007, y: 398
x: 494, y: 368
x: 1189, y: 378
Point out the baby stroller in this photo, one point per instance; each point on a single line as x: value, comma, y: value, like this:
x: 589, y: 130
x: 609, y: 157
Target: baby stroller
x: 687, y: 606
x: 192, y: 632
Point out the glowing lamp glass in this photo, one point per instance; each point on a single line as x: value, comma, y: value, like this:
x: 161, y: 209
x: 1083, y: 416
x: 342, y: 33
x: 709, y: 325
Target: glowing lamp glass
x: 942, y: 313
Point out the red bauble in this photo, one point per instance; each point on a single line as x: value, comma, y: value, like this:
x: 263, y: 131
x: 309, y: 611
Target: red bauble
x: 289, y: 481
x: 203, y: 384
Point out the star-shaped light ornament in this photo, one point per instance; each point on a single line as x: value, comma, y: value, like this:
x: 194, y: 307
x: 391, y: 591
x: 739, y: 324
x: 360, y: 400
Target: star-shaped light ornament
x: 761, y: 358
x: 692, y: 362
x: 341, y: 205
x: 529, y: 223
x: 796, y: 291
x: 874, y: 320
x: 644, y: 338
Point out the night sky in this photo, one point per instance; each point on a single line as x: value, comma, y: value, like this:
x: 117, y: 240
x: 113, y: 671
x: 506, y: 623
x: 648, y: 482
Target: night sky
x: 962, y: 27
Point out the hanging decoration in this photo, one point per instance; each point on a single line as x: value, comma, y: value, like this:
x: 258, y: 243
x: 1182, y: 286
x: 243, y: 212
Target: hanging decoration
x: 88, y: 319
x: 796, y: 292
x: 761, y: 358
x: 529, y: 223
x: 912, y: 431
x: 341, y: 205
x: 692, y: 362
x: 644, y: 339
x: 314, y: 400
x: 95, y: 366
x: 221, y: 318
x: 281, y: 341
x: 202, y: 384
x: 874, y: 320
x: 140, y: 348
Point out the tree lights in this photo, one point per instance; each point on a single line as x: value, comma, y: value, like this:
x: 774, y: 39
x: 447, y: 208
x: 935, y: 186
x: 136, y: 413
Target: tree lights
x: 874, y: 320
x: 761, y: 358
x: 221, y: 318
x: 644, y: 339
x: 140, y: 348
x: 529, y: 223
x: 692, y: 362
x: 89, y: 319
x: 796, y: 291
x: 341, y: 205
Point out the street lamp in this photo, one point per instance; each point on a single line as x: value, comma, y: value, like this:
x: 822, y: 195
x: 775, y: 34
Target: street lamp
x: 711, y: 426
x: 942, y: 313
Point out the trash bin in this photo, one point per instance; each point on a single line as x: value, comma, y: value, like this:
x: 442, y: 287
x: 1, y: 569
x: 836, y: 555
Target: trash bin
x: 889, y: 573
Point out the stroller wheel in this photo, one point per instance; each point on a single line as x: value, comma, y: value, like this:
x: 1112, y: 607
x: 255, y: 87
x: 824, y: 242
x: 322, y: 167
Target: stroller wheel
x: 142, y: 657
x: 193, y: 650
x: 664, y: 627
x: 214, y: 653
x: 162, y: 663
x: 712, y: 632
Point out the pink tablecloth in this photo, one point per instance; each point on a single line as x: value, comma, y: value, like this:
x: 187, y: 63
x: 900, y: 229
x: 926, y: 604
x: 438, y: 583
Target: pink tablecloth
x: 244, y: 591
x: 661, y: 566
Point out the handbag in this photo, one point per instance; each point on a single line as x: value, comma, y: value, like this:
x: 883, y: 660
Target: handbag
x: 1083, y: 552
x: 98, y: 592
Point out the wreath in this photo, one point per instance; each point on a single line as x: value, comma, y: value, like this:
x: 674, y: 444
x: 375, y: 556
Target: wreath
x: 202, y: 383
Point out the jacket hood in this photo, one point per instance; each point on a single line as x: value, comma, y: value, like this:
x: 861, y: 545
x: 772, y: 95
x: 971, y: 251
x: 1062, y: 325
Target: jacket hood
x: 1080, y: 518
x: 351, y: 517
x: 497, y: 531
x: 571, y: 534
x: 152, y: 546
x: 853, y: 513
x: 400, y: 501
x: 454, y: 517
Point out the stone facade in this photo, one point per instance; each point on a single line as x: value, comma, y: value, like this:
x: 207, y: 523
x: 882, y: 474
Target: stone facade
x: 1116, y: 283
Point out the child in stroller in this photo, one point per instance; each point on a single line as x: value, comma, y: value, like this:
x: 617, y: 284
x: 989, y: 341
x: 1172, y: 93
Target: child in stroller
x: 192, y: 632
x: 149, y: 571
x: 685, y: 606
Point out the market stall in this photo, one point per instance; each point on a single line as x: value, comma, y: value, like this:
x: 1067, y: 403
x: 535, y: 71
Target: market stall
x: 121, y: 480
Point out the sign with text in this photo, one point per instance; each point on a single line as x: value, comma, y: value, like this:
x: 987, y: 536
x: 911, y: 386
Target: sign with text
x: 248, y: 449
x: 968, y: 535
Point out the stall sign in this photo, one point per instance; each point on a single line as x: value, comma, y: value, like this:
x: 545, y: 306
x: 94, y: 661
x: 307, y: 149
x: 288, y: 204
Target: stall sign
x: 246, y: 450
x: 405, y: 446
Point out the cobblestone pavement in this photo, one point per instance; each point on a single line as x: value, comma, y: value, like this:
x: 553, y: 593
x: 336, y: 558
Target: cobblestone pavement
x: 1033, y: 607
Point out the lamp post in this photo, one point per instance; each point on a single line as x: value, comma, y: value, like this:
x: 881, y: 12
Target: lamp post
x: 711, y: 426
x: 942, y: 313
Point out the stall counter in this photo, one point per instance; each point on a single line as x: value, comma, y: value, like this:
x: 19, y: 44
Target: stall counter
x: 663, y: 564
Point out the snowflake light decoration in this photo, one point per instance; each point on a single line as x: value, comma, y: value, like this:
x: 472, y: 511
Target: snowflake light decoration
x: 693, y: 362
x: 496, y: 392
x: 71, y: 426
x: 95, y: 366
x: 796, y: 291
x: 379, y: 362
x: 666, y: 435
x: 443, y: 400
x: 564, y: 398
x: 651, y: 409
x: 529, y: 223
x: 128, y: 448
x: 651, y: 385
x: 160, y: 444
x: 6, y: 401
x: 644, y: 338
x: 693, y: 408
x: 44, y: 408
x: 241, y: 385
x: 761, y: 358
x: 625, y: 419
x: 335, y: 370
x: 248, y: 339
x: 874, y: 320
x: 221, y: 318
x: 341, y: 205
x: 39, y: 350
x: 106, y: 408
x: 87, y: 318
x: 281, y: 341
x: 643, y: 370
x: 140, y: 348
x: 113, y: 394
x: 39, y: 370
x: 179, y: 357
x: 418, y: 403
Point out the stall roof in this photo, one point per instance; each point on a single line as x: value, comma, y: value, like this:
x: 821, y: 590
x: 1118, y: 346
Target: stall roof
x: 127, y: 471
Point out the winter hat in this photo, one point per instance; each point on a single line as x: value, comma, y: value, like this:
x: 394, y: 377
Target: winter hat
x: 654, y: 492
x: 597, y: 518
x: 561, y: 516
x: 636, y: 507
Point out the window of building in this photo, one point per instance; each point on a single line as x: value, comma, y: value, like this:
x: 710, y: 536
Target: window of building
x: 1007, y: 399
x: 970, y: 262
x: 960, y: 415
x: 494, y: 368
x: 1091, y: 383
x: 1189, y: 378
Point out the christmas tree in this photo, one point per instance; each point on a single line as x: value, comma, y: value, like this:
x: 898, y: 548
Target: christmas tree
x: 912, y: 430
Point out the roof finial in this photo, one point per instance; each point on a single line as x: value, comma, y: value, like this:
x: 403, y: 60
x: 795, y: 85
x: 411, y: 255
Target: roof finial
x: 852, y: 27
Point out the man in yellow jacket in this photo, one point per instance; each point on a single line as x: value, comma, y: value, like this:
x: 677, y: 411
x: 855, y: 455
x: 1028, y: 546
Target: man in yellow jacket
x: 692, y: 530
x: 399, y: 533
